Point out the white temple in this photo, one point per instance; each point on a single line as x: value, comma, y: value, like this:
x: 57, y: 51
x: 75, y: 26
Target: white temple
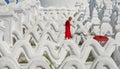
x: 32, y: 34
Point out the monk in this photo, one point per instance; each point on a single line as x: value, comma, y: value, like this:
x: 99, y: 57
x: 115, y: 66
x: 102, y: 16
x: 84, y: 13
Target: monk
x: 67, y: 28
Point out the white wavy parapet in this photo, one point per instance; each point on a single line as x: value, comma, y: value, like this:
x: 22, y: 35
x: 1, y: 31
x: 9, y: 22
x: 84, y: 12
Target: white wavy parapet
x: 58, y: 56
x: 104, y: 62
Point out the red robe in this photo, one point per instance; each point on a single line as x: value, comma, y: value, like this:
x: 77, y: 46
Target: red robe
x: 67, y: 30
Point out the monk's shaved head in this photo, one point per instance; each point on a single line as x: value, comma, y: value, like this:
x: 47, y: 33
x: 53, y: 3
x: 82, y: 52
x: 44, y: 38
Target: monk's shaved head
x: 70, y: 18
